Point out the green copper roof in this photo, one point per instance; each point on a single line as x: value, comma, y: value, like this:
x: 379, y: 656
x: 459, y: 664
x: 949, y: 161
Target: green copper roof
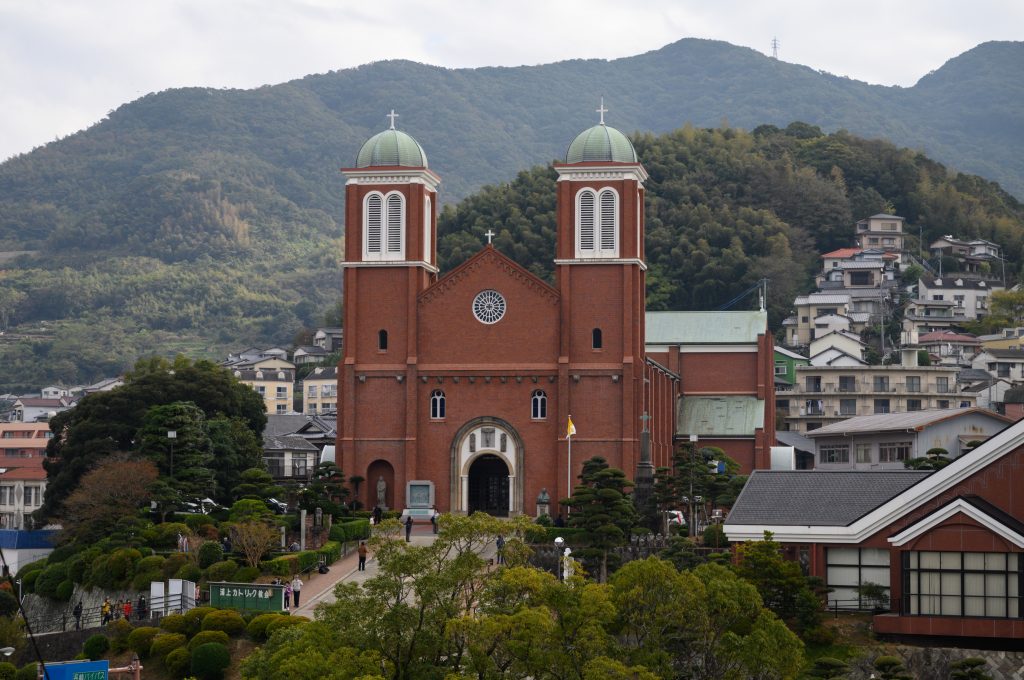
x: 391, y: 147
x: 601, y: 143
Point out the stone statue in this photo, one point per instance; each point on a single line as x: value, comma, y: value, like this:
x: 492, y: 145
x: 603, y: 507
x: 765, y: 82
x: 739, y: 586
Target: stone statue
x: 382, y: 489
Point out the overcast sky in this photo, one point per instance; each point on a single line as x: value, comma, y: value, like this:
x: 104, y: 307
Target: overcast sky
x: 65, y: 63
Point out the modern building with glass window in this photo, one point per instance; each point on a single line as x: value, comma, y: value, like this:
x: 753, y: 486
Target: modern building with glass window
x: 464, y: 381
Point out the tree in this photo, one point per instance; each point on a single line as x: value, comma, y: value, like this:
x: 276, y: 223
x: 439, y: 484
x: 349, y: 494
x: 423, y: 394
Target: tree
x: 256, y: 482
x: 103, y: 423
x: 116, y: 488
x: 782, y: 586
x: 1008, y: 305
x: 254, y: 539
x: 600, y: 506
x: 235, y: 448
x: 970, y: 668
x: 934, y: 459
x: 892, y: 668
x: 184, y: 459
x: 828, y: 667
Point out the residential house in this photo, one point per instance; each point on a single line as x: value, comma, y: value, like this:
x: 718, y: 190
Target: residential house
x: 1007, y: 338
x: 820, y: 313
x: 887, y: 440
x: 289, y: 457
x: 970, y: 296
x: 22, y: 482
x: 881, y: 232
x: 924, y: 316
x: 37, y: 409
x: 54, y: 392
x: 989, y: 393
x: 320, y: 391
x: 947, y: 545
x: 977, y: 257
x: 104, y: 385
x: 732, y: 409
x: 786, y: 362
x: 828, y: 394
x: 269, y: 373
x: 1001, y: 363
x: 950, y: 347
x: 838, y: 348
x: 328, y: 339
x: 24, y: 440
x: 308, y: 354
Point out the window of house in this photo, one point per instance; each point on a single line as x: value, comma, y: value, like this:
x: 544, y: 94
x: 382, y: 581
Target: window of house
x: 834, y: 453
x: 595, y: 339
x: 847, y: 383
x: 888, y: 226
x: 881, y: 405
x: 1003, y: 370
x: 382, y: 340
x: 913, y: 383
x: 275, y: 464
x: 962, y: 584
x: 597, y: 223
x: 959, y: 299
x: 847, y: 407
x: 893, y: 452
x: 312, y: 390
x: 261, y: 390
x: 913, y: 404
x: 781, y: 369
x: 311, y: 409
x: 942, y: 403
x: 848, y: 568
x: 814, y: 407
x: 881, y: 383
x: 32, y: 496
x: 888, y: 241
x: 863, y: 453
x: 937, y: 297
x: 861, y: 279
x: 299, y: 465
x: 539, y: 405
x: 427, y: 219
x: 812, y: 383
x: 813, y: 426
x: 282, y: 392
x: 437, y: 405
x: 329, y: 391
x: 282, y: 408
x: 873, y: 240
x: 804, y: 319
x: 942, y: 384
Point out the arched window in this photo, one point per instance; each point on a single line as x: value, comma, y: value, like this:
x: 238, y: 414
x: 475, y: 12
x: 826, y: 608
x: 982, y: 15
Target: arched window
x: 374, y: 221
x: 396, y: 212
x: 596, y: 339
x: 597, y: 223
x: 539, y: 405
x: 426, y: 229
x: 382, y: 340
x: 384, y: 226
x: 437, y: 405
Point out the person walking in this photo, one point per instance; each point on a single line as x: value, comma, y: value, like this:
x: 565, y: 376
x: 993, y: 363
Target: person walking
x: 433, y: 520
x: 287, y: 596
x: 142, y: 607
x: 362, y: 550
x: 105, y: 610
x: 78, y: 615
x: 296, y: 589
x: 408, y: 529
x: 127, y: 609
x: 500, y: 545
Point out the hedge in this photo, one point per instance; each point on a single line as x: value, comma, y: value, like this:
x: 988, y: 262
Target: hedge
x: 29, y: 671
x: 164, y: 643
x: 174, y: 623
x: 227, y: 620
x: 201, y: 638
x: 301, y: 562
x: 140, y: 640
x: 210, y: 553
x: 222, y: 571
x: 257, y: 628
x: 178, y: 661
x: 209, y: 661
x: 194, y: 619
x: 95, y: 647
x: 351, y: 530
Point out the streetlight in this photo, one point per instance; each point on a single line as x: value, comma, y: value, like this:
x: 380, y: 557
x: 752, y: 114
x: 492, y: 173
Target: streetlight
x: 6, y: 651
x: 692, y: 533
x: 559, y: 542
x: 171, y: 436
x: 19, y: 591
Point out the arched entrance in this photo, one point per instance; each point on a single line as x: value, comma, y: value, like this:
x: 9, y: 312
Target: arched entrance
x: 380, y: 469
x: 487, y: 468
x: 488, y: 486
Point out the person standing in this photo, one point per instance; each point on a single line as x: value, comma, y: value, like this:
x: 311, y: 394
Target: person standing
x: 127, y: 609
x: 362, y: 550
x: 142, y: 607
x: 78, y: 615
x: 500, y: 545
x: 408, y: 529
x: 287, y: 596
x: 106, y: 610
x: 433, y: 520
x: 296, y: 589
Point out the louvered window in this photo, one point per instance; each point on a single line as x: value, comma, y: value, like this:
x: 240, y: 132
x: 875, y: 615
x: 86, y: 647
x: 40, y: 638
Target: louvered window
x: 374, y: 223
x: 586, y: 221
x: 395, y: 205
x: 426, y: 229
x: 608, y: 221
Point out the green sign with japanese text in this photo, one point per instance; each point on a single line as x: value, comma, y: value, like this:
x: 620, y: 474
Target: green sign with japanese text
x: 262, y: 597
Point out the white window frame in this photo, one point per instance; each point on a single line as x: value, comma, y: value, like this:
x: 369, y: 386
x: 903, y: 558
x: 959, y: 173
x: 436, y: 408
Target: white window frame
x: 834, y: 454
x: 438, y: 405
x: 427, y: 223
x: 539, y: 405
x: 601, y: 246
x: 391, y: 245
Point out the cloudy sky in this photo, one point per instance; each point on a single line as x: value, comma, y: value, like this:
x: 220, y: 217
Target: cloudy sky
x: 65, y: 63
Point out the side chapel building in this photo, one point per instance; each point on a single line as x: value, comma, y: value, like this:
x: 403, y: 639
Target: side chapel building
x: 466, y: 381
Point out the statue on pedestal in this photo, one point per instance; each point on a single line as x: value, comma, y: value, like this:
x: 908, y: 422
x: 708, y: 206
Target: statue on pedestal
x: 382, y: 490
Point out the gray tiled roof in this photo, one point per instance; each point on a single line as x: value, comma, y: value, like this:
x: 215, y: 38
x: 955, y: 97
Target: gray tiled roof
x: 682, y: 328
x: 885, y: 422
x: 283, y: 424
x: 817, y: 497
x: 287, y: 442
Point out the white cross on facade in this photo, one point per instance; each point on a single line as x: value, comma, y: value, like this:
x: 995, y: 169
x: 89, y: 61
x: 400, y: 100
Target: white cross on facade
x: 489, y: 234
x: 392, y: 116
x: 602, y: 110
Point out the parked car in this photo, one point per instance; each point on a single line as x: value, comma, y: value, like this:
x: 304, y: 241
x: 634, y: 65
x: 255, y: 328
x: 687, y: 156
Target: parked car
x: 279, y: 507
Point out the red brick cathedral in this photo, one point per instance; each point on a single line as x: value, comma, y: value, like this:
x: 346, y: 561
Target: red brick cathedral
x: 466, y: 380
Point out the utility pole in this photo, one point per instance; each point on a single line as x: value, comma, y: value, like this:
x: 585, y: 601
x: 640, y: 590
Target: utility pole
x: 775, y: 48
x: 693, y: 519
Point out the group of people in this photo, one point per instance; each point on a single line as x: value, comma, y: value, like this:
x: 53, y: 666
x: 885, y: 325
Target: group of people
x: 292, y: 589
x: 110, y: 611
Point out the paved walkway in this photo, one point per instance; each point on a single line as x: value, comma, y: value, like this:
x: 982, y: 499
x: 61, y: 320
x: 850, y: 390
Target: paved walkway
x: 320, y: 587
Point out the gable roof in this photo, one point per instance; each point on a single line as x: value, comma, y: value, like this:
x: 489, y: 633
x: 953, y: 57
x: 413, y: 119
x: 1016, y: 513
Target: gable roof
x: 489, y: 253
x: 817, y: 497
x: 947, y: 336
x: 1017, y: 354
x: 974, y: 507
x: 842, y: 252
x: 911, y: 420
x: 705, y: 328
x: 789, y: 353
x: 282, y: 424
x: 286, y: 442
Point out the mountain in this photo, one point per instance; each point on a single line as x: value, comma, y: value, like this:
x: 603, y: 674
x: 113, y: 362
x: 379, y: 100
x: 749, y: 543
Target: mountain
x: 201, y: 219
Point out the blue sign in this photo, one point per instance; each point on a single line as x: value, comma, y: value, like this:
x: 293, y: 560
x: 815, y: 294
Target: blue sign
x: 78, y: 670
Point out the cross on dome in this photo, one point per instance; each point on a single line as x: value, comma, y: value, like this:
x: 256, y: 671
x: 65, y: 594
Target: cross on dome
x: 392, y: 116
x: 489, y: 234
x: 602, y: 110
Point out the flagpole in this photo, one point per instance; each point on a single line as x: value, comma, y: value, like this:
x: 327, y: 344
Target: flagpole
x: 568, y: 476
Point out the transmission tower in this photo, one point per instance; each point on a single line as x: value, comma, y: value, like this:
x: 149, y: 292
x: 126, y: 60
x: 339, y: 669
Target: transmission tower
x: 775, y: 48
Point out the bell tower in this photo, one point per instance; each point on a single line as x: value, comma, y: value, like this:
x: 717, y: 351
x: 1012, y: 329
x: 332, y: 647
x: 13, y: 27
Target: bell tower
x: 601, y: 274
x: 390, y: 257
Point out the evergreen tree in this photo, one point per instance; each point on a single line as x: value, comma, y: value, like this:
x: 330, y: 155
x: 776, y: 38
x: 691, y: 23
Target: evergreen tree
x: 185, y: 458
x: 600, y: 506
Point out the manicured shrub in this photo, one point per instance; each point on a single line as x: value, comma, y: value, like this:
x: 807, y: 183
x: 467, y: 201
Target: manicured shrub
x: 177, y: 662
x: 222, y: 571
x: 8, y: 671
x: 28, y: 581
x: 189, y: 572
x: 227, y: 620
x: 174, y: 623
x: 65, y: 590
x: 95, y: 647
x: 194, y: 619
x: 33, y: 566
x: 166, y: 535
x: 29, y: 671
x: 140, y: 640
x: 164, y: 643
x: 196, y: 522
x: 49, y: 580
x: 172, y: 564
x: 150, y: 562
x: 119, y: 630
x: 257, y: 628
x: 284, y: 622
x: 819, y: 636
x: 247, y: 574
x: 201, y: 638
x: 144, y: 577
x: 80, y: 566
x: 62, y: 553
x: 209, y: 661
x: 209, y: 553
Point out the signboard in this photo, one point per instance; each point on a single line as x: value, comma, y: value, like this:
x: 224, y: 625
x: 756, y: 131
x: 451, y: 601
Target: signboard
x: 262, y: 597
x: 78, y: 670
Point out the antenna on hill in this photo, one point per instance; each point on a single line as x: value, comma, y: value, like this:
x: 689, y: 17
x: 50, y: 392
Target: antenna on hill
x: 775, y: 48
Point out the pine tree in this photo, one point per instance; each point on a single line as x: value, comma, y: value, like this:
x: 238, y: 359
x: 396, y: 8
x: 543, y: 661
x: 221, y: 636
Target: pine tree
x: 600, y: 506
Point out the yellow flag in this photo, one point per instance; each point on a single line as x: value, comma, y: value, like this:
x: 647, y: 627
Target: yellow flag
x: 571, y: 429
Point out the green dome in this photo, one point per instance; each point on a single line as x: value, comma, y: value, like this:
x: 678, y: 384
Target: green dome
x: 391, y: 147
x: 601, y: 143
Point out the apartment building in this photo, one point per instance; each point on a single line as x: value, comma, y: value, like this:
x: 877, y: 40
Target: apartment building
x: 817, y: 314
x: 883, y: 232
x: 320, y: 391
x: 828, y: 394
x: 269, y: 373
